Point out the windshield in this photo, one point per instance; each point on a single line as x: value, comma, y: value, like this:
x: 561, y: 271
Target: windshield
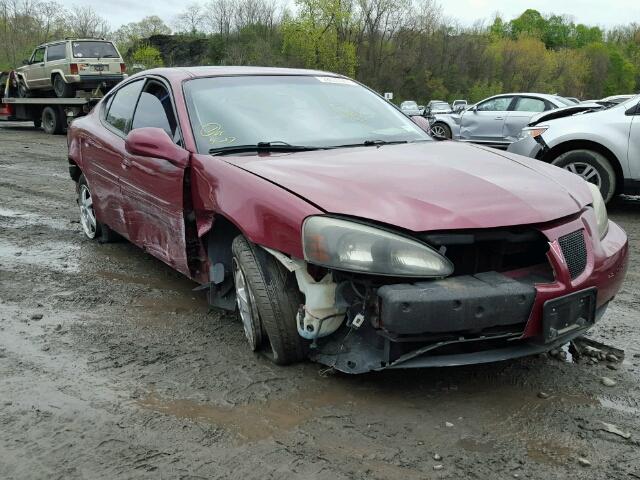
x: 441, y: 106
x: 297, y: 110
x: 94, y: 50
x: 408, y: 105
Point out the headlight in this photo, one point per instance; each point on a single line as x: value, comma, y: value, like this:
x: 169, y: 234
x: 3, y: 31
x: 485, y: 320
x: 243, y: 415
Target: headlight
x: 533, y: 132
x: 351, y: 246
x: 600, y: 209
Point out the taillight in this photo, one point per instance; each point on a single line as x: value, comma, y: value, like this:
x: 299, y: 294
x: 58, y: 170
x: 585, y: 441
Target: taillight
x: 73, y: 68
x: 6, y: 109
x: 123, y: 68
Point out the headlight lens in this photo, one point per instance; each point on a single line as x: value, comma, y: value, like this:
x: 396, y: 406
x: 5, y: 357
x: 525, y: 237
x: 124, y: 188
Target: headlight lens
x: 533, y: 131
x: 600, y: 209
x: 351, y: 246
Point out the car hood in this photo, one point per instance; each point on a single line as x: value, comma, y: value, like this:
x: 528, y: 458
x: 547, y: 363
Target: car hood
x: 580, y: 108
x: 425, y: 186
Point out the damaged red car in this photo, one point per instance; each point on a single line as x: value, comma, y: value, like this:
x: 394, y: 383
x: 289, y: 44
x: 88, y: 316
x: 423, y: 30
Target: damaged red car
x: 337, y: 228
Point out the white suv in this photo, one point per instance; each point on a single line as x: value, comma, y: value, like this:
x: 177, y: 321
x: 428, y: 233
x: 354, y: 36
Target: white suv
x: 601, y: 144
x: 69, y: 65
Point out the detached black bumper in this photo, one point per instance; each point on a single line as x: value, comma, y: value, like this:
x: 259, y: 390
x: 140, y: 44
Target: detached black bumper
x: 459, y: 304
x: 456, y: 321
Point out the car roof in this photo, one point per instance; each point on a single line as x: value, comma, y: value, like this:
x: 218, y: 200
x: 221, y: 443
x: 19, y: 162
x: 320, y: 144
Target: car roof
x: 74, y: 40
x: 185, y: 73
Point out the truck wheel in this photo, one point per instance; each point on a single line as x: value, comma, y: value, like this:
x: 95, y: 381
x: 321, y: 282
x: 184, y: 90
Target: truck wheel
x: 271, y: 292
x: 63, y: 89
x: 592, y: 167
x: 52, y: 120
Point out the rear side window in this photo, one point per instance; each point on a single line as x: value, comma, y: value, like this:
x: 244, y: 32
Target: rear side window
x: 527, y: 104
x: 120, y: 113
x: 56, y: 52
x: 500, y: 104
x: 155, y: 110
x: 94, y: 50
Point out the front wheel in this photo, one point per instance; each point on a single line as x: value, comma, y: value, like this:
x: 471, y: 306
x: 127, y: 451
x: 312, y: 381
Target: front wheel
x: 268, y: 298
x: 593, y: 167
x: 441, y: 130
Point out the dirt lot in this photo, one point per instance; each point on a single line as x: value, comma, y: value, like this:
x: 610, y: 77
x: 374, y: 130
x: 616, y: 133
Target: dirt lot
x: 111, y: 367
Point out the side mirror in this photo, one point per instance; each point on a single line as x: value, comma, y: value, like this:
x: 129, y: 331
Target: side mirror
x: 635, y: 110
x: 474, y: 108
x: 25, y: 62
x: 155, y: 143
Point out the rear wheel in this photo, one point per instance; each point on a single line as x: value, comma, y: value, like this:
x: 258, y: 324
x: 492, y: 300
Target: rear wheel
x: 23, y: 91
x: 593, y: 167
x: 61, y: 88
x: 441, y: 130
x: 52, y: 120
x: 268, y: 291
x: 90, y: 225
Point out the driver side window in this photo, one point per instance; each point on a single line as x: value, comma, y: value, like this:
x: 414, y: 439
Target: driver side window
x: 38, y: 56
x: 500, y: 104
x: 156, y: 110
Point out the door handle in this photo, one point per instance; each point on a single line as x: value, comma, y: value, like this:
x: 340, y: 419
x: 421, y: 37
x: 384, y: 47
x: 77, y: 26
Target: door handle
x: 126, y: 163
x: 499, y: 118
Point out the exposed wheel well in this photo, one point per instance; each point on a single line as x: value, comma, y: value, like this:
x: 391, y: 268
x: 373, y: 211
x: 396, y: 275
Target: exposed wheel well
x: 558, y: 150
x: 74, y: 170
x: 219, y: 240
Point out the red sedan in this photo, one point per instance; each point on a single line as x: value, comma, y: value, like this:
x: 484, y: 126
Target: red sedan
x: 336, y: 227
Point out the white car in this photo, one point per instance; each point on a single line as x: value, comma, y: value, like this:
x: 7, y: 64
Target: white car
x: 601, y: 144
x: 495, y: 121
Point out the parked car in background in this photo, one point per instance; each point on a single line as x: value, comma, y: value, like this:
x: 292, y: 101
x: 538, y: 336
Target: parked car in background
x: 459, y: 105
x: 69, y: 65
x: 338, y: 229
x: 437, y: 107
x: 497, y: 120
x: 411, y: 108
x: 601, y: 144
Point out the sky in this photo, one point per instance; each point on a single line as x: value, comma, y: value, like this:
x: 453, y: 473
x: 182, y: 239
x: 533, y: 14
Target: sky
x: 592, y: 12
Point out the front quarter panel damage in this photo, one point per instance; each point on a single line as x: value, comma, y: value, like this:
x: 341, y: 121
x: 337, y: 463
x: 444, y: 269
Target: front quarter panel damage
x: 265, y: 213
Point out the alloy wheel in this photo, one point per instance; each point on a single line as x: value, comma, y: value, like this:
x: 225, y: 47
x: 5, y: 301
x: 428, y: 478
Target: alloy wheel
x: 87, y: 214
x: 438, y: 131
x: 586, y: 171
x: 247, y: 308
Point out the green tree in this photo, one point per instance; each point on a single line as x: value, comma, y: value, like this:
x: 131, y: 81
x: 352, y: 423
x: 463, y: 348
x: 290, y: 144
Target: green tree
x: 148, y: 56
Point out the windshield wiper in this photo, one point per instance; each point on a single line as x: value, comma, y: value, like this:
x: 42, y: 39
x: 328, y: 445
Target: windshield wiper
x: 275, y: 146
x: 371, y: 143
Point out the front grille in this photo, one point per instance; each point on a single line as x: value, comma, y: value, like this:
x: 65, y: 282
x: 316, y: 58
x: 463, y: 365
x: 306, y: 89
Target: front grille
x: 575, y: 252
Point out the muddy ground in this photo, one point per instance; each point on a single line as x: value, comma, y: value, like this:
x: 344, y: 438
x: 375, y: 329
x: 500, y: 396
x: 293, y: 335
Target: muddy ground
x: 126, y: 375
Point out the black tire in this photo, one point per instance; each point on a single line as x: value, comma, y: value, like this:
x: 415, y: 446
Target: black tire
x: 61, y: 88
x: 579, y: 160
x: 446, y: 131
x: 277, y: 298
x: 23, y: 91
x: 52, y: 120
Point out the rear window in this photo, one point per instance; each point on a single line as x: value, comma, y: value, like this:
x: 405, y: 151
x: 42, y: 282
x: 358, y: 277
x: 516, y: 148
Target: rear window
x: 94, y: 50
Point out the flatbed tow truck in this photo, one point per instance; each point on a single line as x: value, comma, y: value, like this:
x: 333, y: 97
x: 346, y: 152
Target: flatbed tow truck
x: 51, y: 113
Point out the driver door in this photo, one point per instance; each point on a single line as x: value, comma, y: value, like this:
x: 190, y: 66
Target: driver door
x: 34, y: 73
x: 485, y: 122
x: 153, y: 188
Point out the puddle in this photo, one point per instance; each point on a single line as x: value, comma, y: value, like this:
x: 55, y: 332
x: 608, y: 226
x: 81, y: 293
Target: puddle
x: 619, y: 405
x: 549, y: 452
x: 254, y: 421
x: 15, y: 219
x: 58, y: 256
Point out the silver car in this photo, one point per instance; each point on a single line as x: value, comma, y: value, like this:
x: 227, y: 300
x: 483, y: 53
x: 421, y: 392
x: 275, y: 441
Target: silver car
x: 411, y: 108
x: 601, y: 144
x: 495, y: 121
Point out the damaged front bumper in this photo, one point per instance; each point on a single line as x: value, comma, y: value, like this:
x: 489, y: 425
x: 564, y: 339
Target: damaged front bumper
x: 485, y: 317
